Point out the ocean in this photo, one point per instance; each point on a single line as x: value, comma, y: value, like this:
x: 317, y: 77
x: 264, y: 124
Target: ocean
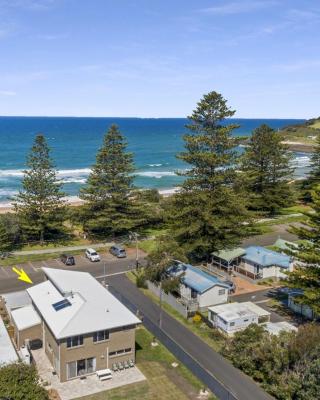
x: 75, y: 141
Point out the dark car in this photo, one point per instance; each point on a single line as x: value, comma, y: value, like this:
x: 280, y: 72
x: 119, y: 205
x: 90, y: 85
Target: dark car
x: 67, y: 259
x: 118, y: 251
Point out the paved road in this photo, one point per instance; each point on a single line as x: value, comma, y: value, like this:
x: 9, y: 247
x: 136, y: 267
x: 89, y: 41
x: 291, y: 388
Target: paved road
x: 268, y: 239
x: 234, y: 380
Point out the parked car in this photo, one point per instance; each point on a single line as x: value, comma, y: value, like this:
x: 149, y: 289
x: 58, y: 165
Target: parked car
x: 118, y: 251
x: 67, y: 259
x: 92, y: 255
x: 232, y: 286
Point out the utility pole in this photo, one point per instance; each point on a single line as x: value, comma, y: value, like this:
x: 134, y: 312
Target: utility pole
x: 160, y: 315
x: 134, y: 236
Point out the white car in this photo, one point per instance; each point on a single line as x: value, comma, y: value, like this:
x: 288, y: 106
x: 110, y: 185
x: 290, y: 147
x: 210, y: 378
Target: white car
x: 92, y: 255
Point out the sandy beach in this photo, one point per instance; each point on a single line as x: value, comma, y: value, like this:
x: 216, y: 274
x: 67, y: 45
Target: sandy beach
x: 75, y: 201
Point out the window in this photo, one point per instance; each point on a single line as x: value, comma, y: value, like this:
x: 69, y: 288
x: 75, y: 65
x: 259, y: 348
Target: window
x: 100, y: 336
x: 231, y: 323
x: 74, y: 341
x: 246, y: 320
x: 221, y: 292
x: 81, y: 367
x: 119, y: 352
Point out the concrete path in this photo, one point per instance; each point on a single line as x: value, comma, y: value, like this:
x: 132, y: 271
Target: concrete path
x: 206, y: 362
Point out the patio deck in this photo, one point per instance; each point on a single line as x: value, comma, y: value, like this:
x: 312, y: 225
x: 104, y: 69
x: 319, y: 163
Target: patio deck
x: 81, y: 387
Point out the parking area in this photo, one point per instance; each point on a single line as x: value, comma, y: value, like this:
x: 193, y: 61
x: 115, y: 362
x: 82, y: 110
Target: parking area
x: 109, y: 265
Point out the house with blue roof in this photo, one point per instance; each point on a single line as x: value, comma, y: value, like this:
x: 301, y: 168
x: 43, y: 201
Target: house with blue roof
x: 260, y: 263
x: 198, y: 286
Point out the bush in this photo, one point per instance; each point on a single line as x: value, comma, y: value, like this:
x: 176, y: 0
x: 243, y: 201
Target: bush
x: 141, y: 280
x: 19, y: 381
x: 196, y: 319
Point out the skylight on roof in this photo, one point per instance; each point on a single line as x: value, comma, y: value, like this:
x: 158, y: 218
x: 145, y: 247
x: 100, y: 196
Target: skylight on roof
x: 61, y: 304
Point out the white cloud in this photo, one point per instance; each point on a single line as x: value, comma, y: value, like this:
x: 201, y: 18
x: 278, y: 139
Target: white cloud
x: 7, y: 93
x: 237, y: 7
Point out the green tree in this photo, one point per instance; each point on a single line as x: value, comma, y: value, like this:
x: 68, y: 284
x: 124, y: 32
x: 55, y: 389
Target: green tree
x: 208, y: 214
x: 6, y: 240
x: 111, y: 204
x: 266, y: 171
x: 39, y: 205
x: 19, y: 381
x: 307, y: 277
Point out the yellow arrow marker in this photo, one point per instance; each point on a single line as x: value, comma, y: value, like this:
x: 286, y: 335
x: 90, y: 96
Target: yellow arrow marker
x: 22, y: 275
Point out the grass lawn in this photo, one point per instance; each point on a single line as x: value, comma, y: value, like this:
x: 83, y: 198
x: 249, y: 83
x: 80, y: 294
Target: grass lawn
x: 207, y: 334
x: 13, y: 260
x: 71, y: 242
x: 163, y: 381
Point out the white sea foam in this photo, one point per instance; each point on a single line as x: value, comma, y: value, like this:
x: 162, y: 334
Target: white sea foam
x: 155, y: 174
x: 7, y: 192
x: 155, y: 165
x: 301, y: 162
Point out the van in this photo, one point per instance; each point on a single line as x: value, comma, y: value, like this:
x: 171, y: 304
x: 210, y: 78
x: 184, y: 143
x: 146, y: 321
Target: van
x: 92, y: 255
x: 118, y: 251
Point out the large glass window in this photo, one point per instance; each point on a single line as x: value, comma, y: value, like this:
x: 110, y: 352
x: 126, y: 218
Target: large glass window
x: 81, y: 367
x: 74, y: 341
x: 100, y: 336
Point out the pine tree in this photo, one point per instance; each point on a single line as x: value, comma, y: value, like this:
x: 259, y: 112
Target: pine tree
x: 39, y: 205
x: 307, y: 277
x: 266, y: 169
x: 313, y: 178
x: 208, y: 214
x: 6, y: 240
x: 111, y: 206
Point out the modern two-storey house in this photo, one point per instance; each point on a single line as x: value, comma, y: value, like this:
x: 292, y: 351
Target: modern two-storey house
x: 82, y: 326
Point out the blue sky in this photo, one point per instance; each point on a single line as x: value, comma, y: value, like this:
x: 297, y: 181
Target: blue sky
x: 156, y: 58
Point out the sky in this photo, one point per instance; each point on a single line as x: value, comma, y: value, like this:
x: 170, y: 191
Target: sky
x: 156, y: 58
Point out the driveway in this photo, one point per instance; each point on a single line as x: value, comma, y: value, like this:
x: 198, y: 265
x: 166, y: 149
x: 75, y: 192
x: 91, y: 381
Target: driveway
x: 262, y: 299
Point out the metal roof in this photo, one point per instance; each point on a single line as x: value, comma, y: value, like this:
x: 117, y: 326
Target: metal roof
x: 25, y: 317
x: 195, y: 278
x: 229, y: 255
x: 93, y: 308
x: 265, y: 257
x: 7, y: 351
x: 233, y: 311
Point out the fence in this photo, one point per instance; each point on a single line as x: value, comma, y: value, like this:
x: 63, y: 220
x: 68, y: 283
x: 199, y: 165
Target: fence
x: 183, y: 308
x: 201, y: 373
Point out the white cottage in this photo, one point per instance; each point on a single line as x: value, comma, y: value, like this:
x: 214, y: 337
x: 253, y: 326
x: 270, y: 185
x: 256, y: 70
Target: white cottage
x: 233, y: 317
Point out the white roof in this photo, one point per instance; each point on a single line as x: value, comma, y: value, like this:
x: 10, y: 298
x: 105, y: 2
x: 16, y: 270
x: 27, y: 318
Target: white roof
x: 25, y: 317
x: 7, y: 350
x: 232, y: 311
x: 93, y: 308
x: 275, y: 328
x: 16, y: 299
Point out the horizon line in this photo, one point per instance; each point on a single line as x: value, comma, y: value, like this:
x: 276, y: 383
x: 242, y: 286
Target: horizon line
x: 137, y: 117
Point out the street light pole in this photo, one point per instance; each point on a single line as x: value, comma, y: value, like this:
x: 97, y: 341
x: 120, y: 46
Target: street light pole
x: 160, y: 315
x: 134, y: 236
